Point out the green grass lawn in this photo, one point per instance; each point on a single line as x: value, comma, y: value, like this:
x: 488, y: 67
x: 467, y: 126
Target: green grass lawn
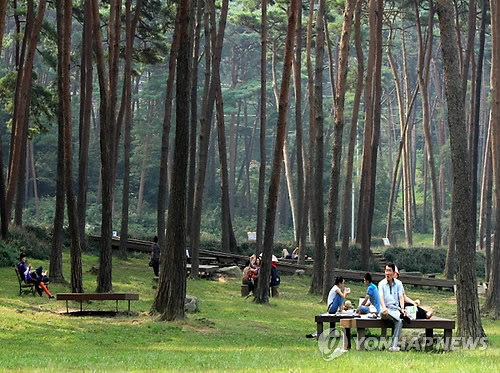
x: 228, y: 334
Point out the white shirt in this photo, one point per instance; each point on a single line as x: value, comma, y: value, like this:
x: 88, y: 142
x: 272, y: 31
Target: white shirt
x: 332, y: 294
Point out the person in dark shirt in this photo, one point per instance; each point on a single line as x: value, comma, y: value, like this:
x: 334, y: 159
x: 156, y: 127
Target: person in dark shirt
x: 155, y: 256
x: 36, y: 277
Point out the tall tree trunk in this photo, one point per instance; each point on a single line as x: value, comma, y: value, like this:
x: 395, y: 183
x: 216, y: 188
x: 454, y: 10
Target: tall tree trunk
x: 333, y: 192
x: 492, y: 303
x: 233, y: 132
x: 107, y: 135
x: 370, y: 140
x: 31, y: 150
x: 300, y: 231
x: 131, y: 24
x: 169, y: 300
x: 262, y: 138
x: 21, y: 182
x: 317, y: 182
x: 423, y: 67
x: 142, y: 180
x: 347, y: 200
x: 55, y: 269
x: 468, y: 317
x: 475, y: 127
x: 485, y: 210
x: 163, y: 177
x: 86, y: 72
x: 226, y: 226
x: 212, y: 70
x: 194, y: 118
x: 20, y: 115
x: 307, y: 222
x: 64, y: 19
x: 262, y: 294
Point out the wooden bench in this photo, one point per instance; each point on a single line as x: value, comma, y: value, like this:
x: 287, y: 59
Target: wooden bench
x: 360, y: 324
x: 80, y: 297
x: 24, y: 288
x: 331, y: 318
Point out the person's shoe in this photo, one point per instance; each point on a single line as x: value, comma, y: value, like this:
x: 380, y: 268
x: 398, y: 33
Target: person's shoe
x: 312, y: 335
x: 429, y: 314
x: 394, y: 349
x: 51, y: 297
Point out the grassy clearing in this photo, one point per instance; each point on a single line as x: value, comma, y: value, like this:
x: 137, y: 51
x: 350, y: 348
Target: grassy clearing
x: 229, y: 334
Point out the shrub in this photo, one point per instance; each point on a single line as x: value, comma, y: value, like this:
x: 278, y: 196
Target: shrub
x: 425, y: 259
x: 8, y: 255
x: 34, y: 242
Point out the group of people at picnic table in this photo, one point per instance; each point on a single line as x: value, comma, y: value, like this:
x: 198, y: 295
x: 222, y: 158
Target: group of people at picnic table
x: 252, y: 269
x: 388, y: 300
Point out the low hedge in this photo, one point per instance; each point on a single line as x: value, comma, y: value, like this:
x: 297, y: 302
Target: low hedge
x: 425, y: 259
x: 35, y: 242
x: 8, y: 255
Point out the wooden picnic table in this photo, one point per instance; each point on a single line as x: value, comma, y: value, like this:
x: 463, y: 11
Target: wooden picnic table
x: 331, y: 318
x: 360, y: 324
x: 204, y: 269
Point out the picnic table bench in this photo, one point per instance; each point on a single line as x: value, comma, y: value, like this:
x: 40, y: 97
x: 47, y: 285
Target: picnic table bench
x: 80, y: 297
x: 360, y: 324
x: 331, y: 318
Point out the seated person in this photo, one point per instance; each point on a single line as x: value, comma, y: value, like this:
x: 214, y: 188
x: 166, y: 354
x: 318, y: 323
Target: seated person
x: 36, y: 277
x: 337, y: 295
x: 390, y: 292
x: 371, y: 298
x: 275, y: 278
x: 248, y: 274
x: 286, y: 255
x: 421, y: 313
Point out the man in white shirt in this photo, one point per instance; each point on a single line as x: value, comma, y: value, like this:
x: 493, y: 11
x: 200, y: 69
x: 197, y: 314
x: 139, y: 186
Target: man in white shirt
x: 392, y: 302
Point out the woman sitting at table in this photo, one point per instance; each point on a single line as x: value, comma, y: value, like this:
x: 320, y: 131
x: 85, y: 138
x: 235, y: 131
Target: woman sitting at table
x: 337, y: 295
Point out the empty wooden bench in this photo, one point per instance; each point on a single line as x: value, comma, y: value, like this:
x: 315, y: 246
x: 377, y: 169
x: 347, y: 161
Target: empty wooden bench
x: 80, y: 297
x: 360, y: 324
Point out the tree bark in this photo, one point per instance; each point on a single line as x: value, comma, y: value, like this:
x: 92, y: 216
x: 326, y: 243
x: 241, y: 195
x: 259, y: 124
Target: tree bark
x: 15, y: 161
x: 492, y: 303
x: 163, y: 176
x: 107, y: 136
x: 475, y: 126
x: 468, y: 317
x: 262, y: 293
x: 130, y: 25
x: 262, y: 137
x: 145, y: 160
x: 347, y: 200
x: 194, y: 117
x: 86, y: 88
x: 423, y: 67
x: 300, y: 232
x: 64, y: 28
x: 169, y: 301
x: 317, y: 182
x: 212, y: 69
x: 371, y: 135
x: 333, y: 192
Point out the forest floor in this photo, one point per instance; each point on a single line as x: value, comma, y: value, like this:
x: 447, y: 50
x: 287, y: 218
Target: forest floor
x: 230, y: 333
